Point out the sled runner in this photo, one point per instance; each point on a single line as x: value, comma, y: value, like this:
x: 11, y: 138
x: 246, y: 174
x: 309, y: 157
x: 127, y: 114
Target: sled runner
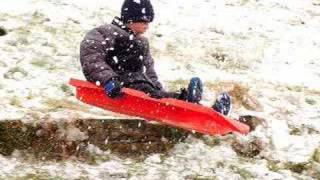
x: 170, y: 111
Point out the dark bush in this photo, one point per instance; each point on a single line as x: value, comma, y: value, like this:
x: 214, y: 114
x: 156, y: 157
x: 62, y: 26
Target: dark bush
x: 2, y: 31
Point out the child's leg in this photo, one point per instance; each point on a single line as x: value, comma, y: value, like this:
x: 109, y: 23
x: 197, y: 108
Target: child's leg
x: 156, y: 93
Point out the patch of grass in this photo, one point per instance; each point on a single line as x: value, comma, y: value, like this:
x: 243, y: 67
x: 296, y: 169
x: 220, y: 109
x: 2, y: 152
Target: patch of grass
x: 170, y: 47
x: 222, y: 59
x: 248, y: 149
x: 15, y: 135
x: 65, y: 88
x: 296, y: 167
x: 218, y: 85
x: 211, y: 140
x: 219, y: 56
x: 189, y: 67
x: 311, y: 130
x: 30, y: 96
x: 38, y: 175
x: 273, y: 165
x: 314, y: 170
x: 3, y: 64
x: 15, y: 102
x: 244, y: 2
x: 40, y: 62
x: 296, y: 131
x: 316, y: 155
x: 22, y: 40
x: 295, y: 88
x: 9, y: 74
x: 55, y: 104
x: 239, y: 93
x: 245, y: 174
x: 35, y: 115
x: 10, y: 43
x: 200, y: 177
x: 220, y: 164
x: 310, y: 101
x: 38, y: 18
x: 176, y: 84
x: 51, y: 30
x: 22, y: 34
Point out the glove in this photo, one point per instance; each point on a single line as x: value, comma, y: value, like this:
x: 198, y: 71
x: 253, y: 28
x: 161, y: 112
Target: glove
x: 113, y: 88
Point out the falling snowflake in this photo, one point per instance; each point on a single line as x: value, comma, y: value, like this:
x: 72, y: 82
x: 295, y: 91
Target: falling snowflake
x: 131, y: 37
x: 144, y: 69
x: 137, y: 1
x: 98, y: 83
x: 115, y: 58
x: 143, y: 10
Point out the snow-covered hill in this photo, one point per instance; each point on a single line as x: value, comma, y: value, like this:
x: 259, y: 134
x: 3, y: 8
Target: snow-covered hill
x: 269, y: 49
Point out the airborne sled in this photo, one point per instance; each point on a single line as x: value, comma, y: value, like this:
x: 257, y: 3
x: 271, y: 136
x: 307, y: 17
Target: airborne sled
x: 169, y: 111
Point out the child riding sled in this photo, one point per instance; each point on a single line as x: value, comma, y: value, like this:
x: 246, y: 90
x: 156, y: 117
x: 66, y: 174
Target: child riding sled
x: 117, y: 55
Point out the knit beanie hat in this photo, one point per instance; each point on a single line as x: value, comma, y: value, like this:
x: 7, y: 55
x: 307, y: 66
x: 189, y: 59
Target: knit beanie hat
x: 137, y: 11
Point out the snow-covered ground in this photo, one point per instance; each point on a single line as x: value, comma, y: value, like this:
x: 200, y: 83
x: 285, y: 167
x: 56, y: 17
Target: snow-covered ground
x: 271, y: 47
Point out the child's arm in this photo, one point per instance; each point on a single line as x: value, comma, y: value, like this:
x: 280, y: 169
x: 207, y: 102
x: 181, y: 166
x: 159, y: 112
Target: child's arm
x: 93, y: 53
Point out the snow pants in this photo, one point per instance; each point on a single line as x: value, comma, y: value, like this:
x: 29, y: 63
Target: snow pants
x: 155, y: 92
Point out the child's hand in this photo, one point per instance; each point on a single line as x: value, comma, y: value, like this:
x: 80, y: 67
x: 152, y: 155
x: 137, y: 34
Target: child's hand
x: 113, y: 88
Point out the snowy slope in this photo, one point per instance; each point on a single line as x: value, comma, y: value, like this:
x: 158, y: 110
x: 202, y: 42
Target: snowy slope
x: 271, y: 47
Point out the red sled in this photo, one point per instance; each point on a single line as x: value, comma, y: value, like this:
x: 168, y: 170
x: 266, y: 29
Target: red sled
x: 169, y: 111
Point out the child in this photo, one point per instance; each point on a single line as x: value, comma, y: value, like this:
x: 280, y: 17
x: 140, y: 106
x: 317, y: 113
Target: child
x: 117, y: 55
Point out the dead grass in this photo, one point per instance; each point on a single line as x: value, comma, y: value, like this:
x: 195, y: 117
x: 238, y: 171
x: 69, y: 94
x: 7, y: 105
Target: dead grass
x: 55, y: 104
x: 239, y: 93
x: 127, y: 138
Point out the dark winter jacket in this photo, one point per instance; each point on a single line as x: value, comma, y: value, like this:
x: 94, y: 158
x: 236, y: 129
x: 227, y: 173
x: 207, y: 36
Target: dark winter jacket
x: 113, y: 51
